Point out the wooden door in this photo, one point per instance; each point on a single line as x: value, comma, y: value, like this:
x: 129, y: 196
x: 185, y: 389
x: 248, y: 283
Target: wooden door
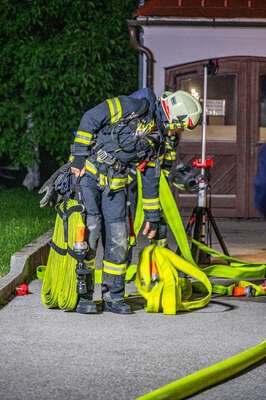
x: 232, y: 132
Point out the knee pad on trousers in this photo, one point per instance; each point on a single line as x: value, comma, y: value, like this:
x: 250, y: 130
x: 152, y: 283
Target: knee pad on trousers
x: 94, y: 225
x: 116, y: 247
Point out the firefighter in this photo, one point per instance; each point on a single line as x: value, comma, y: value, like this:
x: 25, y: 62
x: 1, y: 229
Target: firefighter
x: 112, y: 137
x: 260, y: 182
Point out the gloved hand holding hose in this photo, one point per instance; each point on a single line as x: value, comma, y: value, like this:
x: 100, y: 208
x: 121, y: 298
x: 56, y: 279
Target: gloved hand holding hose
x: 78, y: 167
x: 150, y: 229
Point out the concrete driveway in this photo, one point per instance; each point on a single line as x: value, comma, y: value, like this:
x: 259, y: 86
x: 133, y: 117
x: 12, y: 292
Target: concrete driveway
x: 51, y: 354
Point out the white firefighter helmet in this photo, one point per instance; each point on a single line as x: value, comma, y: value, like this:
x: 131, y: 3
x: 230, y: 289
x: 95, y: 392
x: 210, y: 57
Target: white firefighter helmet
x: 181, y: 109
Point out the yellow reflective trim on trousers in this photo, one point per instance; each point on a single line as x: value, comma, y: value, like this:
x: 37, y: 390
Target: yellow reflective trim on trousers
x: 114, y: 269
x: 115, y: 109
x: 151, y: 204
x: 91, y: 167
x: 117, y: 183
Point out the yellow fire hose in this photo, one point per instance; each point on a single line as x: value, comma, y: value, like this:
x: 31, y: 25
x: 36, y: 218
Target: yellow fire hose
x: 59, y: 281
x: 210, y: 376
x: 170, y: 294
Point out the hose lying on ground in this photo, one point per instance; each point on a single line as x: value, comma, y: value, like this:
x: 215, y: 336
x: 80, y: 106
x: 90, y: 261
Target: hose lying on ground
x: 210, y: 376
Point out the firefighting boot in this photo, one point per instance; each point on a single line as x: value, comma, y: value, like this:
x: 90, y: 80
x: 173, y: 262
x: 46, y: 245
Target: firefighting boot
x: 113, y: 290
x: 85, y: 288
x: 86, y: 306
x: 117, y: 307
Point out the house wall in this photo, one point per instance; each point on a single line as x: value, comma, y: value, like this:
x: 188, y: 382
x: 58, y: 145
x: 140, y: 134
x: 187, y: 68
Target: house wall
x: 179, y: 45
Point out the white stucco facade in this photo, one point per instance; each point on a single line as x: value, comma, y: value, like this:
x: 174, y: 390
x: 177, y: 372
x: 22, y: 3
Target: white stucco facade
x: 180, y: 45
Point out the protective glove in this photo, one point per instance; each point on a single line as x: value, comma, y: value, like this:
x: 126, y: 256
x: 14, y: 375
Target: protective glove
x: 51, y: 186
x: 150, y: 229
x: 78, y: 161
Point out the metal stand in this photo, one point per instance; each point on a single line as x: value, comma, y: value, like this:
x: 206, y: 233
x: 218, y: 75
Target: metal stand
x: 202, y: 220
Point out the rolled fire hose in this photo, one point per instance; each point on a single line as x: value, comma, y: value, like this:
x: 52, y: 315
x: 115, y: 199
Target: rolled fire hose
x: 59, y: 283
x: 210, y: 376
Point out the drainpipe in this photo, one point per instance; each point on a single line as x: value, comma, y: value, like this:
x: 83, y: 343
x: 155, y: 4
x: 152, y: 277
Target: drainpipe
x: 141, y: 59
x: 142, y: 49
x: 141, y: 77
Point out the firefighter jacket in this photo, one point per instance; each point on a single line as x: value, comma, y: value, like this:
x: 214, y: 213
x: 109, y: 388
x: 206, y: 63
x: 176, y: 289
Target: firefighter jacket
x: 114, y: 136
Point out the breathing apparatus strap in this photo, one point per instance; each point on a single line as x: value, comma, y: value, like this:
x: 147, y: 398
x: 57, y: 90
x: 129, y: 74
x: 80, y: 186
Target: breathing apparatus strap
x: 58, y: 249
x: 65, y: 213
x: 76, y: 208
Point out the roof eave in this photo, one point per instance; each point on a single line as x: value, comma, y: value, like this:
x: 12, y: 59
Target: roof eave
x: 187, y: 21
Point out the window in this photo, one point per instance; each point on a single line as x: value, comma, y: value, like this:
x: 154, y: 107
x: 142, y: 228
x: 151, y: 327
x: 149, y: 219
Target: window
x: 221, y: 107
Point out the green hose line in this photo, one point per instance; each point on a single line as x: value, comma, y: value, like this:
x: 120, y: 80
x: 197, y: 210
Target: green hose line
x: 210, y: 376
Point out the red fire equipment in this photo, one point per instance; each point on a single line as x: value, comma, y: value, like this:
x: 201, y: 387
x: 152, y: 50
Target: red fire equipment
x: 21, y: 290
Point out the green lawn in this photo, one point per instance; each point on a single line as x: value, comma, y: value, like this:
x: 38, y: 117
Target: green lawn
x: 21, y: 221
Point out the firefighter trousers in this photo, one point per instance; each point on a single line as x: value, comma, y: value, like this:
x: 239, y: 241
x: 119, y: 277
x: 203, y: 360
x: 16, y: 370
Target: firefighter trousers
x: 106, y: 218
